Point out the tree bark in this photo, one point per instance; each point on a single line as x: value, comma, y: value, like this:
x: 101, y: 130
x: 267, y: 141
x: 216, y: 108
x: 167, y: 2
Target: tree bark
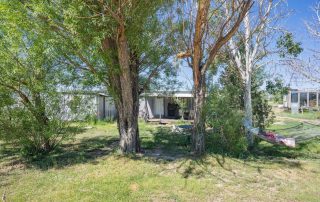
x: 43, y: 122
x: 198, y: 144
x: 198, y: 134
x: 128, y: 104
x: 123, y: 87
x: 248, y: 110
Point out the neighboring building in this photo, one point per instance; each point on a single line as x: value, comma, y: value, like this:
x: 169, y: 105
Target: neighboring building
x: 302, y: 99
x: 171, y: 105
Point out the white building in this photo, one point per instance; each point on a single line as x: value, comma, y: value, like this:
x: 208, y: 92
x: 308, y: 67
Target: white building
x: 308, y: 98
x: 171, y: 105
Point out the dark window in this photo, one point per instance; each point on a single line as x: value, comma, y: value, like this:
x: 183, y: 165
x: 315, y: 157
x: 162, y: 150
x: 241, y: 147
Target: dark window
x: 312, y: 99
x: 303, y: 99
x: 294, y: 97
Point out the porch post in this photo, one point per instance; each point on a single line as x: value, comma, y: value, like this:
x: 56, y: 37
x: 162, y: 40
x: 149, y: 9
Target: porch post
x: 317, y: 99
x: 289, y: 99
x: 308, y: 99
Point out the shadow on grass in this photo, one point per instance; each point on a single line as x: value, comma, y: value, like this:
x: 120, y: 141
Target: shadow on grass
x: 78, y: 151
x: 161, y: 146
x: 87, y: 150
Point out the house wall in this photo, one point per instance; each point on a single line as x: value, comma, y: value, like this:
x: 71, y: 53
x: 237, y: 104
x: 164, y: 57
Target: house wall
x: 78, y: 106
x: 106, y: 108
x: 103, y: 107
x: 157, y: 105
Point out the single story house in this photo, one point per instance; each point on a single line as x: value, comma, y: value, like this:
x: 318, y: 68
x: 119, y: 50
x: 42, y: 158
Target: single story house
x: 308, y: 98
x: 82, y: 105
x: 171, y: 105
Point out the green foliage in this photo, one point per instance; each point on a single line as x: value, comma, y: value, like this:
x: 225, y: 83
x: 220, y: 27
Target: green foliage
x: 225, y: 107
x: 32, y: 133
x: 75, y: 103
x: 225, y: 117
x: 91, y: 119
x: 262, y: 112
x: 277, y: 89
x: 182, y: 106
x: 30, y: 116
x: 287, y: 46
x: 80, y: 35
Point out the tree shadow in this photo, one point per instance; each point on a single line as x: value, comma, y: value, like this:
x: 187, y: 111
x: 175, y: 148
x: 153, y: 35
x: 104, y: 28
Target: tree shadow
x: 164, y: 146
x: 302, y: 150
x: 76, y: 151
x: 87, y: 150
x: 161, y: 146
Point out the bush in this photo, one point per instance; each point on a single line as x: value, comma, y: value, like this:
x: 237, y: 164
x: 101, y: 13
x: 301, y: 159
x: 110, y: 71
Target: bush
x: 226, y: 120
x: 225, y: 108
x: 32, y: 130
x: 263, y: 115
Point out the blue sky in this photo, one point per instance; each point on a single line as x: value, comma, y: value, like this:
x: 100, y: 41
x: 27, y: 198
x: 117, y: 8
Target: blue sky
x: 295, y: 23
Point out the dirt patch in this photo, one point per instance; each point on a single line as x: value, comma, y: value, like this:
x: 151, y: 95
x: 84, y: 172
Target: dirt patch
x: 12, y: 165
x: 134, y: 187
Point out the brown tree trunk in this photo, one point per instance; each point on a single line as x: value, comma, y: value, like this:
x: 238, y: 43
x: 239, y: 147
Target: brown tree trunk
x: 198, y: 144
x: 43, y: 122
x: 128, y: 104
x: 248, y: 111
x: 198, y: 134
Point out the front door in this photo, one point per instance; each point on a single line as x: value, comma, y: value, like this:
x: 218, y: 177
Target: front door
x: 159, y: 109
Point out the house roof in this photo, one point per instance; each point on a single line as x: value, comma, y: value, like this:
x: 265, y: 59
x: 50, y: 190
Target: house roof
x: 182, y: 94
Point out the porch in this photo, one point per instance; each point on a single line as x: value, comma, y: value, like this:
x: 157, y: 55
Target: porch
x: 177, y: 106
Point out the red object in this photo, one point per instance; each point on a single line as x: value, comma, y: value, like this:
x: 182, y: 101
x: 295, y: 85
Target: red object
x: 270, y: 135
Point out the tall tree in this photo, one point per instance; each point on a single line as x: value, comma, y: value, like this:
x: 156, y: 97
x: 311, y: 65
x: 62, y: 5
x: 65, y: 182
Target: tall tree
x: 205, y: 30
x: 247, y: 48
x: 115, y: 42
x: 30, y: 74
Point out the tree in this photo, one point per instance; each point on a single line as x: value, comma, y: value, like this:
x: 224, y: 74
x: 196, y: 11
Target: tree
x: 225, y: 107
x: 248, y: 48
x: 277, y: 89
x: 287, y: 46
x: 201, y: 38
x: 118, y: 43
x: 30, y: 75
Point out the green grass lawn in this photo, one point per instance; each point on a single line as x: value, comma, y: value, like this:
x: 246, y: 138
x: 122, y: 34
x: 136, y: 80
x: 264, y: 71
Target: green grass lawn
x: 89, y: 168
x: 310, y: 115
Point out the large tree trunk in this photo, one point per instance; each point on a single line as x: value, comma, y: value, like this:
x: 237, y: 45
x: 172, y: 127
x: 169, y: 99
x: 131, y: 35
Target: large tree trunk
x: 128, y: 104
x: 248, y: 110
x: 128, y: 129
x: 123, y: 87
x: 198, y: 134
x: 198, y: 144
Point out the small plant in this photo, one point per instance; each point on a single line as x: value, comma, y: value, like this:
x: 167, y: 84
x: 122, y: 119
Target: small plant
x: 91, y: 119
x: 228, y: 134
x: 183, y: 107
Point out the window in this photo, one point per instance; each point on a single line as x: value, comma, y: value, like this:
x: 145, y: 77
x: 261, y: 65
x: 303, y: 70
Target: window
x: 303, y: 99
x: 312, y: 99
x: 294, y: 97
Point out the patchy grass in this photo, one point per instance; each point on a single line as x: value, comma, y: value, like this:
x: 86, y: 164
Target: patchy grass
x: 310, y: 115
x: 89, y: 168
